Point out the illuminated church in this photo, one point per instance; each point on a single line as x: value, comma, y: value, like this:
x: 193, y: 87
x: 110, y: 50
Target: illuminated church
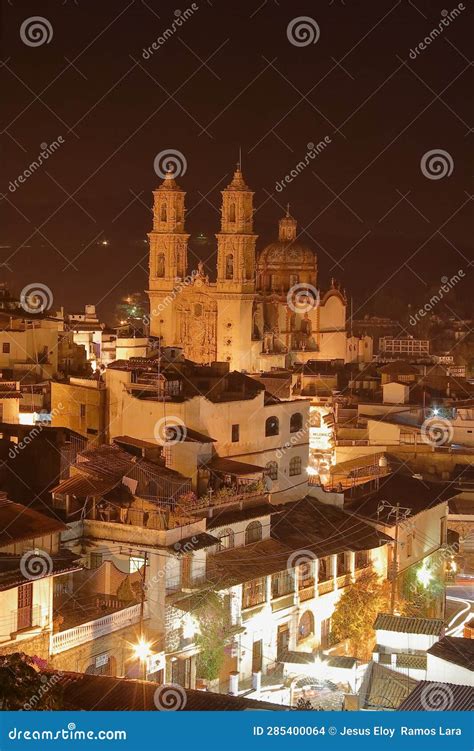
x: 264, y: 309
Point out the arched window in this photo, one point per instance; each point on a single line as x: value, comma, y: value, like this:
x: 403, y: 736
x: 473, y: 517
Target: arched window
x: 229, y: 266
x: 226, y: 539
x: 160, y: 265
x: 272, y: 426
x: 295, y: 466
x: 163, y: 213
x: 272, y: 470
x: 253, y: 533
x: 296, y: 422
x: 306, y: 625
x: 232, y: 212
x: 197, y: 310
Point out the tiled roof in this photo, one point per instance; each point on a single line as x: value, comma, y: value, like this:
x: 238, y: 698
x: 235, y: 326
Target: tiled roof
x: 83, y: 485
x: 406, y: 625
x: 410, y: 492
x: 431, y: 696
x: 194, y: 542
x: 385, y: 688
x: 98, y: 692
x: 11, y: 574
x: 232, y: 467
x: 19, y: 522
x: 223, y: 518
x: 455, y: 649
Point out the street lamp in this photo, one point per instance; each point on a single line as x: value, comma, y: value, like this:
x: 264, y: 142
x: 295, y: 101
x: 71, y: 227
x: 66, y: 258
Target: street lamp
x: 142, y: 652
x: 424, y: 576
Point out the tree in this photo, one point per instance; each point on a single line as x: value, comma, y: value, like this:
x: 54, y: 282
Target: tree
x: 24, y: 685
x: 357, y: 610
x: 212, y: 615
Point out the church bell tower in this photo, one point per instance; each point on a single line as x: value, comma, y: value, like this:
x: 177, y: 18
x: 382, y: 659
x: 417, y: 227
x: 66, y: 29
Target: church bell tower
x: 168, y: 256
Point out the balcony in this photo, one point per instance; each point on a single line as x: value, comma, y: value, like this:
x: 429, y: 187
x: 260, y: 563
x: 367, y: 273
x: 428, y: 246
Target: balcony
x: 283, y: 601
x: 326, y: 586
x: 86, y: 632
x: 343, y: 580
x: 306, y: 593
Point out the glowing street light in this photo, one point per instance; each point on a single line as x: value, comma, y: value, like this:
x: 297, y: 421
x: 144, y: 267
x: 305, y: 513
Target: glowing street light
x: 142, y: 650
x: 424, y: 576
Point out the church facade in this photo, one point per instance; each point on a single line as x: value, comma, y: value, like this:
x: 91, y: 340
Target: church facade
x: 264, y: 310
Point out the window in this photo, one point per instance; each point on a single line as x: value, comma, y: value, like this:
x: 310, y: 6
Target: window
x: 296, y: 422
x: 342, y: 564
x: 295, y: 466
x: 253, y: 533
x: 253, y: 592
x: 272, y: 426
x: 136, y: 562
x: 163, y: 213
x: 6, y: 348
x: 306, y: 625
x: 232, y: 212
x: 272, y: 470
x: 283, y: 583
x: 160, y: 265
x: 96, y: 560
x: 226, y: 539
x: 324, y: 569
x: 229, y: 266
x: 362, y: 559
x: 83, y: 410
x: 235, y: 433
x: 197, y: 310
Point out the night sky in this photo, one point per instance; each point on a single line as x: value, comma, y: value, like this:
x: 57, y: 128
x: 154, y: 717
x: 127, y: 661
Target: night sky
x: 230, y: 77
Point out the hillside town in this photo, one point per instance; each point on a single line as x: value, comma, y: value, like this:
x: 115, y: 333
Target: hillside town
x: 241, y: 498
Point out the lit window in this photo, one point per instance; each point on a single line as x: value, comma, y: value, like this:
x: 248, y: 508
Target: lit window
x: 272, y: 426
x: 295, y: 466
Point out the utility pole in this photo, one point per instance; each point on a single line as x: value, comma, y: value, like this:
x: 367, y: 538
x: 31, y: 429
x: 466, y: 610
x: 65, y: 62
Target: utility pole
x: 393, y: 595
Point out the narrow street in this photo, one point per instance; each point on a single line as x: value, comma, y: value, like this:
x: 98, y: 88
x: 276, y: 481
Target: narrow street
x: 459, y: 605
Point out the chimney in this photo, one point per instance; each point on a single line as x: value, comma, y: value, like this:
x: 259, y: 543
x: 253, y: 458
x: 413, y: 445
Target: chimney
x: 234, y: 683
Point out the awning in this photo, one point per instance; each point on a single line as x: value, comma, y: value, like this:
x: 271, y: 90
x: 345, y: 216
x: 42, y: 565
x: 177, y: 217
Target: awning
x: 232, y: 467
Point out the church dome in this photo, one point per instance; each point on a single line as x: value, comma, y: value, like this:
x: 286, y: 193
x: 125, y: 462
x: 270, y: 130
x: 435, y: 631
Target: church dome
x: 287, y: 253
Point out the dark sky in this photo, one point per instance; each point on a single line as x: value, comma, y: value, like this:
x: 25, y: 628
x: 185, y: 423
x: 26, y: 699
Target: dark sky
x: 229, y: 76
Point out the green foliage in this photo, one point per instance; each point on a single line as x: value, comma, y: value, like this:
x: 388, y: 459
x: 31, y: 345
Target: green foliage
x: 24, y: 686
x: 357, y: 610
x: 212, y: 615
